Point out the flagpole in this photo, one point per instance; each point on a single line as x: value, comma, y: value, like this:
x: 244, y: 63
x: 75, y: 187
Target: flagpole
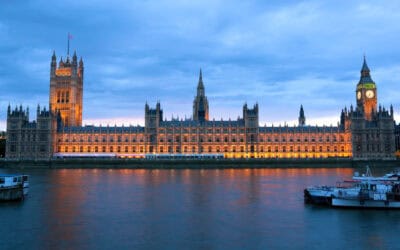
x: 68, y: 45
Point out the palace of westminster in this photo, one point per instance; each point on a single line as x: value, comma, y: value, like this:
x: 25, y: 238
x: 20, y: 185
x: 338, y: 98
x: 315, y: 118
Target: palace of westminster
x: 364, y: 131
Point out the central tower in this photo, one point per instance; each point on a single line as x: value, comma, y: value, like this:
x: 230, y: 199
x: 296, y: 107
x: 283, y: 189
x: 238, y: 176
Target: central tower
x: 366, y: 93
x: 66, y: 89
x: 200, y: 103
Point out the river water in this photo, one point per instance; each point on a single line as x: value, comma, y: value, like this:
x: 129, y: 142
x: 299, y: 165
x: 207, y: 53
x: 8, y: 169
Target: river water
x: 189, y: 209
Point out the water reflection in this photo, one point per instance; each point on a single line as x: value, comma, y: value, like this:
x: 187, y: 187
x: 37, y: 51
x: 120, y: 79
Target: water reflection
x: 189, y: 209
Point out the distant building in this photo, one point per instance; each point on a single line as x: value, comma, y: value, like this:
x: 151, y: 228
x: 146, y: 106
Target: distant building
x: 364, y: 132
x: 2, y: 144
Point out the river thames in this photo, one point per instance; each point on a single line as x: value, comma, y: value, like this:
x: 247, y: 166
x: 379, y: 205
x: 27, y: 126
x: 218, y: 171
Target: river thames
x: 189, y: 209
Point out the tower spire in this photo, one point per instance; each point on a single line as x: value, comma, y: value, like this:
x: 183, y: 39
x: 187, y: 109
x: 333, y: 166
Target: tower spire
x: 200, y: 84
x: 200, y: 103
x: 302, y: 118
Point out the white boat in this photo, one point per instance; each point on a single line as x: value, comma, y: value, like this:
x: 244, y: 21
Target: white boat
x: 325, y: 194
x: 393, y: 176
x: 13, y: 187
x: 371, y: 195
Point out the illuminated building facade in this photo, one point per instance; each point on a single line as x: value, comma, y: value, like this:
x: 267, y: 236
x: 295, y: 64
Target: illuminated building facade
x: 364, y: 132
x: 66, y: 89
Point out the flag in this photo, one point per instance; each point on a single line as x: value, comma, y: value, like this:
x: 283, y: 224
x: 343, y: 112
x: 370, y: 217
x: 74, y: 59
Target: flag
x: 70, y: 36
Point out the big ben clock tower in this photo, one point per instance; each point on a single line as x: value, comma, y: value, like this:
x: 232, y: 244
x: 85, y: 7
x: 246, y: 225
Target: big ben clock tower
x: 366, y: 93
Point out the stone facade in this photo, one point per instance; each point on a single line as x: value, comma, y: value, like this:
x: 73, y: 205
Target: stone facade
x: 363, y: 133
x: 66, y: 89
x: 29, y: 140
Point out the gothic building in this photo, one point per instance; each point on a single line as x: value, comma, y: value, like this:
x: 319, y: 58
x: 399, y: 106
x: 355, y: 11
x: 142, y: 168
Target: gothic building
x: 66, y: 89
x: 364, y: 132
x: 29, y: 140
x: 200, y: 103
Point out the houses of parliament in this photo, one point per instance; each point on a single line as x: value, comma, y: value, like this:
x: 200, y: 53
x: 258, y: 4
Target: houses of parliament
x: 365, y: 131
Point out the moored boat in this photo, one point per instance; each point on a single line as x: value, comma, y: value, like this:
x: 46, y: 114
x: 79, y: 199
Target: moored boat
x: 13, y: 187
x: 362, y: 191
x: 323, y: 194
x: 371, y: 195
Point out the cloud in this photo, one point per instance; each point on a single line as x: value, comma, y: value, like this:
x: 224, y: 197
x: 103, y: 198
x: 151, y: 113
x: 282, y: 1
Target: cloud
x: 278, y: 53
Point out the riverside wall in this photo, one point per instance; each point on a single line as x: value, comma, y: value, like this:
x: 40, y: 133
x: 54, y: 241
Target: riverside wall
x: 196, y: 163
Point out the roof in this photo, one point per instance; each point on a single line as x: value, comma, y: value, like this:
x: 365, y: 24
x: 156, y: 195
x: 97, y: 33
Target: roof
x: 96, y: 129
x: 192, y: 123
x: 301, y: 129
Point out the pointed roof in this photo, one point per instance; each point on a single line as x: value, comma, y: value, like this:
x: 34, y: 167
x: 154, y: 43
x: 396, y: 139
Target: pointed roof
x: 301, y: 111
x: 365, y: 74
x: 200, y: 84
x: 365, y: 66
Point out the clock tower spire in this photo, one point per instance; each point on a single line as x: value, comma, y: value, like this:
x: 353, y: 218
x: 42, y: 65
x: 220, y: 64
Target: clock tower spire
x: 366, y: 93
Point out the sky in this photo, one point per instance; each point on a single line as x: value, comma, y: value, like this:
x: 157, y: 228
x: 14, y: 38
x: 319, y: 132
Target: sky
x: 279, y: 54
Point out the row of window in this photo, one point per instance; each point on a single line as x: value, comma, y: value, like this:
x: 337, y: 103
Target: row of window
x: 194, y: 149
x: 30, y: 137
x: 178, y: 138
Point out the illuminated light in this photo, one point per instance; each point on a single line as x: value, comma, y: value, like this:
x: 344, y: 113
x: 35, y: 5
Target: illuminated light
x: 63, y: 72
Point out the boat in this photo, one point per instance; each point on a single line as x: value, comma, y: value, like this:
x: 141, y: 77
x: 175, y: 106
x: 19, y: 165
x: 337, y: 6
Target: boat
x: 392, y: 176
x: 13, y: 187
x: 346, y: 191
x: 323, y: 194
x: 373, y: 194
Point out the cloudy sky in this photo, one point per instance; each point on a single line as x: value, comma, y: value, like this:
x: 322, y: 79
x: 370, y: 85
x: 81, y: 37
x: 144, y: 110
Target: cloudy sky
x: 280, y: 54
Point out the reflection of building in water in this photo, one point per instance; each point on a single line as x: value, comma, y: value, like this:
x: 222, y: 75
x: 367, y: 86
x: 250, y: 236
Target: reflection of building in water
x: 364, y: 131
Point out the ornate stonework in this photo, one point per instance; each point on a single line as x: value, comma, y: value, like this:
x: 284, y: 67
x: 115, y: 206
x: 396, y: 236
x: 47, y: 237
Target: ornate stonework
x: 364, y: 132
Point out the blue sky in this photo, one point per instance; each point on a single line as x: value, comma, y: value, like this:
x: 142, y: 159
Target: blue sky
x: 278, y: 53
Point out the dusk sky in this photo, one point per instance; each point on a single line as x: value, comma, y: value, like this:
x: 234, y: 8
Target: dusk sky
x: 280, y: 54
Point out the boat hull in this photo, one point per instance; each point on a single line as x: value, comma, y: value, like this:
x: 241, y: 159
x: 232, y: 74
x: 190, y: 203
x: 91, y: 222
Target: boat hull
x: 357, y: 203
x: 12, y: 193
x: 311, y: 197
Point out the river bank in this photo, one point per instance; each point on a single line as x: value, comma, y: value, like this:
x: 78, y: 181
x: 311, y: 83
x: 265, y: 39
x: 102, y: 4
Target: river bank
x: 196, y: 164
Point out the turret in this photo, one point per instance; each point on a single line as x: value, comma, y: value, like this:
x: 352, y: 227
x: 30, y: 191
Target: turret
x: 81, y: 68
x: 250, y: 116
x: 74, y: 64
x: 391, y: 110
x: 200, y: 85
x: 61, y: 63
x: 200, y: 103
x: 53, y: 64
x: 302, y: 118
x: 366, y: 93
x: 66, y: 89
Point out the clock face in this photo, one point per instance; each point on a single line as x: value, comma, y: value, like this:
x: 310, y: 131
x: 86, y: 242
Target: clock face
x: 358, y: 95
x: 369, y: 94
